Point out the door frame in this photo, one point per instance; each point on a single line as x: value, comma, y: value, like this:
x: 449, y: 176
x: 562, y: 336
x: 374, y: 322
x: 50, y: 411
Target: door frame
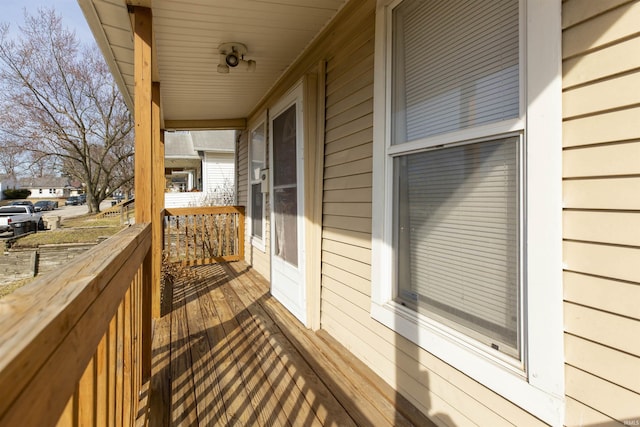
x: 295, y: 96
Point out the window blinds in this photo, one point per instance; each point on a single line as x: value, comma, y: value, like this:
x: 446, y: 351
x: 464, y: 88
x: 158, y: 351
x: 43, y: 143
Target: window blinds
x: 455, y: 65
x: 457, y: 228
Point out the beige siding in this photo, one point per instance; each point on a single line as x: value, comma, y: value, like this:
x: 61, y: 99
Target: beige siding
x: 601, y: 162
x: 601, y: 138
x: 445, y: 394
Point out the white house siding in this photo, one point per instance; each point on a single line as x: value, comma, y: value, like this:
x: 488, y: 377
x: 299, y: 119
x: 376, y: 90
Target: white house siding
x: 601, y: 138
x: 254, y: 255
x: 218, y: 171
x: 442, y: 392
x: 46, y: 193
x: 183, y: 200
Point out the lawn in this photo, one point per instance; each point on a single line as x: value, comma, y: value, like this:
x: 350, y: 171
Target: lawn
x: 7, y: 289
x: 84, y: 229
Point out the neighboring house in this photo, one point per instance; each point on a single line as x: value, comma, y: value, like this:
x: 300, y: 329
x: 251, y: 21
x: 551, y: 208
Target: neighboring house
x: 49, y: 187
x: 448, y: 188
x: 199, y: 167
x: 6, y: 182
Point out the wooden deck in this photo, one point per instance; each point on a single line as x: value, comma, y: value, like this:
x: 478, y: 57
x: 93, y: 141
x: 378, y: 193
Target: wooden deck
x: 229, y: 354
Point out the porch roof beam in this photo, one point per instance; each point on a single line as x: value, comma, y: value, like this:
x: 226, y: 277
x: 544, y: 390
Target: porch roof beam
x: 212, y: 124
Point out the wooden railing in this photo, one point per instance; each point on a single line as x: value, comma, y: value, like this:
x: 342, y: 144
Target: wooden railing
x: 75, y: 345
x: 204, y: 235
x: 124, y: 210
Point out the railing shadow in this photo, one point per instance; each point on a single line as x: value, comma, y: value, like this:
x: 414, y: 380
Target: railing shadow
x: 228, y: 361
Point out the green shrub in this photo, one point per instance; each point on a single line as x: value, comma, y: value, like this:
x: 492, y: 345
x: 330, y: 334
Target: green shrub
x: 13, y: 193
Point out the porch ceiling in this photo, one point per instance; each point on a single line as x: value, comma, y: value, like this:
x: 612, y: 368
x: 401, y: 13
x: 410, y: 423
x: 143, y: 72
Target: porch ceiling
x: 187, y: 36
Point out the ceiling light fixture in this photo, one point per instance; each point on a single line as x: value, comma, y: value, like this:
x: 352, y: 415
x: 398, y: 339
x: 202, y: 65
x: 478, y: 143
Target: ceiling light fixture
x: 232, y: 56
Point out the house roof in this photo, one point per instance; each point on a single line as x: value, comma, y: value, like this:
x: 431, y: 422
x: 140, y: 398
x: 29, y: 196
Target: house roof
x: 44, y: 182
x: 185, y: 145
x: 179, y: 145
x: 186, y: 39
x: 214, y: 141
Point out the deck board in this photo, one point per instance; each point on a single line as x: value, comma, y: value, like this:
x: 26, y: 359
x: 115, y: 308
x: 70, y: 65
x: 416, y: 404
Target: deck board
x: 183, y: 410
x: 227, y: 353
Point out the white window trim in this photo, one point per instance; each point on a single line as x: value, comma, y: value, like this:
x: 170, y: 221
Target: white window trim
x: 256, y: 242
x: 540, y: 388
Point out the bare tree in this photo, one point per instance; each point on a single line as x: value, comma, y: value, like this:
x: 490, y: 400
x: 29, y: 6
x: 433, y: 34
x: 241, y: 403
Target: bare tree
x: 63, y: 104
x: 12, y: 157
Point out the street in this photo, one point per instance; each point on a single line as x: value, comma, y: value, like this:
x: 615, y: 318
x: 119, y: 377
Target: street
x: 66, y: 212
x: 71, y: 211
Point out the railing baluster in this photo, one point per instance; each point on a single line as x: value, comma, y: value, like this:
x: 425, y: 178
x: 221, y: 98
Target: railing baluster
x: 67, y: 417
x: 227, y: 232
x: 195, y: 237
x: 87, y: 396
x: 127, y: 380
x: 220, y: 236
x: 203, y: 252
x: 101, y: 382
x: 112, y: 369
x: 178, y: 234
x: 207, y: 234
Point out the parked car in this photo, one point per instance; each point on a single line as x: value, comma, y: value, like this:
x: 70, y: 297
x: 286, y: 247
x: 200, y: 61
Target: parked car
x: 83, y: 199
x: 20, y: 218
x: 72, y: 201
x: 22, y: 203
x: 43, y: 205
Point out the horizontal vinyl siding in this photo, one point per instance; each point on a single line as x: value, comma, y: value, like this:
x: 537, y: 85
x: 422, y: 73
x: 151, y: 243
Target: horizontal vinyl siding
x: 444, y: 393
x: 219, y: 173
x: 601, y: 168
x: 348, y: 166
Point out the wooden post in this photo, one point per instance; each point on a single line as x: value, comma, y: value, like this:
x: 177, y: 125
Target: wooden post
x: 157, y: 200
x: 240, y: 227
x: 143, y: 160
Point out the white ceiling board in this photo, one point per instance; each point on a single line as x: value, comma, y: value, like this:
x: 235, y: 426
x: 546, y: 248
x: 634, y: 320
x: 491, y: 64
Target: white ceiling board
x: 187, y: 35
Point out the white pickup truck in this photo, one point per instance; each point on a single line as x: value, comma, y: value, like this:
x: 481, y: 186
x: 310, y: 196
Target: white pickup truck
x: 20, y: 216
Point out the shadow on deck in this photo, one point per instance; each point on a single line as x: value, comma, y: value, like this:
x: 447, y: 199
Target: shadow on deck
x: 229, y: 354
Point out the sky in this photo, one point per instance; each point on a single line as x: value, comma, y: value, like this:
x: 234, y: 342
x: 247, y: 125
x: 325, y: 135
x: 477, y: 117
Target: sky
x: 12, y: 11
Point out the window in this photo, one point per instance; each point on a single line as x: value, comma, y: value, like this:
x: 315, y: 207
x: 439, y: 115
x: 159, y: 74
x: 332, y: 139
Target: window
x: 257, y: 162
x: 456, y: 233
x: 467, y: 190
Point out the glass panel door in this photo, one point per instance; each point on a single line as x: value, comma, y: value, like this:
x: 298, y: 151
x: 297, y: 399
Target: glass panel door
x: 285, y: 186
x: 287, y: 208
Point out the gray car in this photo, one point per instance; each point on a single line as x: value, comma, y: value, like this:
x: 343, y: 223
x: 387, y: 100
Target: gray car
x: 43, y: 205
x: 72, y: 201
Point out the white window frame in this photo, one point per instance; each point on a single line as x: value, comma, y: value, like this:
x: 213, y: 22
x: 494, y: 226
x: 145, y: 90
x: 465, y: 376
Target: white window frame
x: 536, y: 383
x: 256, y: 242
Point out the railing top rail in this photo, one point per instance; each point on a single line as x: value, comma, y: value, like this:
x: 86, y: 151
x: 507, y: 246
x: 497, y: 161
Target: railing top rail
x: 54, y: 320
x: 204, y: 210
x: 116, y: 208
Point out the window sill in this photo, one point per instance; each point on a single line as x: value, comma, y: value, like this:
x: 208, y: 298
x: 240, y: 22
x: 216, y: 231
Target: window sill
x: 258, y: 244
x: 493, y: 371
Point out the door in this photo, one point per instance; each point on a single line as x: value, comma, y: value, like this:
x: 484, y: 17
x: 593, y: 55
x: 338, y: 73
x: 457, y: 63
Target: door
x: 287, y: 207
